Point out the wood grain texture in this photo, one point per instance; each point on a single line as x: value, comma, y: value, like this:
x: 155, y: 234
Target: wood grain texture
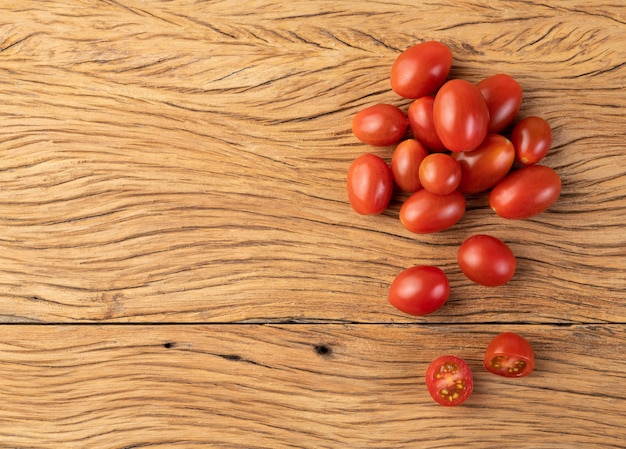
x: 255, y: 386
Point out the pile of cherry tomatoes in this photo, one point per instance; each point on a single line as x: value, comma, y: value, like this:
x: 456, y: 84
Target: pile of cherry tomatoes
x: 464, y: 141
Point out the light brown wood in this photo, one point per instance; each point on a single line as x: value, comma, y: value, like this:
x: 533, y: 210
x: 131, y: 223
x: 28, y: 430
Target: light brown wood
x: 175, y: 172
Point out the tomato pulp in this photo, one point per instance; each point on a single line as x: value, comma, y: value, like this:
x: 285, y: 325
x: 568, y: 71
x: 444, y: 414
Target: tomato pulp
x: 510, y: 355
x: 449, y: 380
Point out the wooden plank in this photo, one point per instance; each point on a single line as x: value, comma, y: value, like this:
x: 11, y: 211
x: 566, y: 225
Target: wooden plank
x: 314, y: 386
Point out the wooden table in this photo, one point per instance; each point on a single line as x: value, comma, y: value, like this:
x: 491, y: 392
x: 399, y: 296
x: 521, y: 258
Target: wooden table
x: 180, y: 266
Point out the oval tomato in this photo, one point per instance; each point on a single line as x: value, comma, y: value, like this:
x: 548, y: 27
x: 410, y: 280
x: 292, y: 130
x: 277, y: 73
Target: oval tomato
x: 425, y: 212
x: 532, y: 138
x: 370, y: 184
x: 405, y: 163
x: 421, y: 122
x: 503, y: 96
x: 380, y: 125
x: 460, y: 115
x: 421, y: 69
x: 419, y: 290
x: 525, y: 192
x: 439, y: 173
x: 486, y: 260
x: 510, y: 355
x: 449, y: 380
x: 485, y: 166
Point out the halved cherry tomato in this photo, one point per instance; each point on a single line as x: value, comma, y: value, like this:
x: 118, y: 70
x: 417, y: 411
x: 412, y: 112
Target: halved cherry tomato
x: 380, y: 125
x: 532, y: 138
x: 439, y: 173
x: 421, y: 69
x: 449, y: 380
x: 485, y: 166
x: 370, y: 184
x: 419, y: 290
x: 510, y: 355
x: 425, y: 212
x: 486, y: 260
x: 405, y: 164
x: 420, y: 116
x: 503, y: 96
x: 461, y: 115
x: 525, y: 192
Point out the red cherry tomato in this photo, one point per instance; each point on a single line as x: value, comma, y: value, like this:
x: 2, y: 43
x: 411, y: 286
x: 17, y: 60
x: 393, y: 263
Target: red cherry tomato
x: 405, y: 163
x: 532, y: 138
x: 421, y: 69
x: 419, y: 290
x: 503, y: 96
x: 370, y: 184
x: 425, y: 212
x: 525, y: 192
x: 449, y: 380
x: 510, y: 355
x: 380, y: 125
x: 485, y: 166
x: 486, y: 260
x: 439, y: 173
x: 420, y: 116
x: 461, y: 116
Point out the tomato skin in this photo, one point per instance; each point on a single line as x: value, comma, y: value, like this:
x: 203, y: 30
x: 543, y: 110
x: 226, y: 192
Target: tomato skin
x: 449, y: 380
x: 509, y: 355
x: 440, y: 173
x: 370, y: 184
x: 532, y: 139
x: 485, y: 166
x: 425, y: 212
x: 460, y: 115
x: 422, y: 124
x: 525, y: 192
x: 503, y: 96
x: 380, y: 125
x: 419, y: 290
x: 405, y: 163
x: 421, y: 69
x: 486, y: 260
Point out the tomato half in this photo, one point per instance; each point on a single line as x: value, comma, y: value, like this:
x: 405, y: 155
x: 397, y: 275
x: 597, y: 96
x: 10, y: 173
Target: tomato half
x: 510, y: 355
x: 370, y: 184
x: 419, y: 290
x: 485, y: 166
x: 532, y: 138
x: 421, y: 122
x: 439, y: 173
x: 421, y: 69
x: 425, y: 212
x: 503, y: 96
x: 460, y: 115
x: 486, y: 260
x: 449, y: 380
x: 525, y: 192
x: 405, y: 164
x: 380, y: 125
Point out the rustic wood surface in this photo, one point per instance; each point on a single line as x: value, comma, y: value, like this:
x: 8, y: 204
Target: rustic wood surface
x: 180, y: 267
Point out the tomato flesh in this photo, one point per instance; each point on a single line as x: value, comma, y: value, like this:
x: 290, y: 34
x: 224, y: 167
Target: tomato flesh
x: 509, y: 355
x: 449, y: 380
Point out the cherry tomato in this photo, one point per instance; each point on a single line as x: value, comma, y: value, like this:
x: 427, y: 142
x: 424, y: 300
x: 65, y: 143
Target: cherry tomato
x: 419, y: 290
x: 510, y: 355
x: 525, y: 192
x: 486, y: 260
x: 405, y: 163
x: 503, y: 96
x: 439, y: 173
x: 380, y: 125
x: 370, y: 184
x: 425, y: 212
x: 421, y: 69
x: 420, y: 116
x: 461, y: 115
x: 532, y: 138
x: 485, y: 166
x: 449, y: 380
